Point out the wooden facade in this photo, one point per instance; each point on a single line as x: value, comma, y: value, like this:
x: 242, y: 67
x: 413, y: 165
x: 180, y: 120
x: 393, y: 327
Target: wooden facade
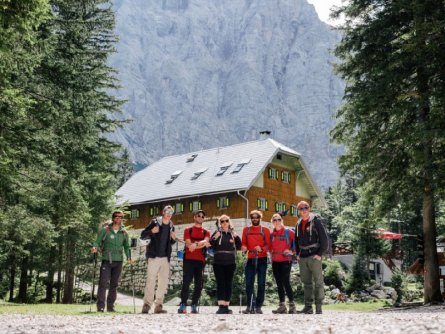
x: 277, y: 186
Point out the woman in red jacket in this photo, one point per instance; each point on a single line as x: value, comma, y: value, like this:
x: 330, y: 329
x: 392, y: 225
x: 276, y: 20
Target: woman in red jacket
x: 281, y: 244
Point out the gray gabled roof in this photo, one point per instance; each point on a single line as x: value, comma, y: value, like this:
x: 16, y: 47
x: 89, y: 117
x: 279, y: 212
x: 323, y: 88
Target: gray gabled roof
x: 149, y: 185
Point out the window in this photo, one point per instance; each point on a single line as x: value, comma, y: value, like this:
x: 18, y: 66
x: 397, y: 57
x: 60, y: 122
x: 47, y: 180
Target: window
x: 273, y: 173
x: 285, y: 176
x: 179, y: 208
x: 240, y: 165
x: 198, y: 173
x: 262, y: 204
x: 195, y: 205
x: 280, y: 206
x: 224, y: 168
x: 293, y: 210
x: 134, y: 214
x: 191, y: 158
x: 154, y: 211
x: 222, y: 202
x: 174, y: 176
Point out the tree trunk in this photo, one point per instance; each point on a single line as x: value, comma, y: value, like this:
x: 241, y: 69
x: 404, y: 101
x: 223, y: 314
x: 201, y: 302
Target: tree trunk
x: 432, y: 292
x: 59, y: 272
x: 50, y: 277
x: 23, y: 285
x: 11, y: 281
x: 70, y: 265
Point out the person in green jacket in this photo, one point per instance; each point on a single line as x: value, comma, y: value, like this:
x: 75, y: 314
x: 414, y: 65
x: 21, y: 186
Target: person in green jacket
x: 112, y: 242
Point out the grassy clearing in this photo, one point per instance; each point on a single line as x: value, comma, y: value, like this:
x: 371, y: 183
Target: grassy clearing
x: 58, y: 309
x: 82, y: 309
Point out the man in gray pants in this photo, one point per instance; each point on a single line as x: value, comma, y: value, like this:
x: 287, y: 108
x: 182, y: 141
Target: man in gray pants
x: 311, y: 242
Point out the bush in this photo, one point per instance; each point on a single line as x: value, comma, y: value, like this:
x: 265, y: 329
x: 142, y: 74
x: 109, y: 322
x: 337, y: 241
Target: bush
x: 399, y: 284
x: 333, y: 273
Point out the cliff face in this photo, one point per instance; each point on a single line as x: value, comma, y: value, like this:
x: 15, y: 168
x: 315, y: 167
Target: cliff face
x: 199, y: 74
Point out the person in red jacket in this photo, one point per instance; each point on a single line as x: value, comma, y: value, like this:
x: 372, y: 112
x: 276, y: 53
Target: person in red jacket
x: 196, y: 241
x: 281, y: 249
x: 255, y: 240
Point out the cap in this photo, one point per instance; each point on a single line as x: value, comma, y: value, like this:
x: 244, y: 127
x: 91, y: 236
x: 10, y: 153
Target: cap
x: 198, y: 211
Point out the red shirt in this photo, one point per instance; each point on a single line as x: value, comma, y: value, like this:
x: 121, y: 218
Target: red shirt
x: 303, y: 225
x: 198, y: 234
x: 256, y: 239
x: 280, y: 243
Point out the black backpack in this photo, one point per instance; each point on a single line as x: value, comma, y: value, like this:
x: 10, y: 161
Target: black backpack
x: 328, y: 252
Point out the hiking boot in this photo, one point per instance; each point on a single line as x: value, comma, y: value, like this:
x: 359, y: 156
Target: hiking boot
x: 221, y: 310
x: 306, y: 310
x: 110, y: 308
x: 100, y: 309
x: 228, y: 311
x: 248, y: 311
x: 158, y: 309
x: 292, y: 309
x: 194, y: 309
x: 258, y: 310
x: 318, y: 309
x: 145, y: 308
x: 281, y: 309
x: 182, y: 308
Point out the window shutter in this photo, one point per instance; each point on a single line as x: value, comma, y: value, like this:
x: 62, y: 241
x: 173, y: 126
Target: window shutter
x: 284, y: 207
x: 151, y: 211
x: 199, y: 205
x: 282, y: 176
x: 270, y: 173
x: 258, y: 203
x: 276, y: 206
x: 191, y: 206
x: 267, y: 205
x: 182, y: 207
x: 227, y: 202
x: 218, y: 205
x: 288, y: 177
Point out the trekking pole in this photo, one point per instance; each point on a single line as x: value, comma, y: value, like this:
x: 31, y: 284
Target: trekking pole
x: 94, y: 279
x: 255, y: 261
x: 243, y: 286
x: 132, y: 285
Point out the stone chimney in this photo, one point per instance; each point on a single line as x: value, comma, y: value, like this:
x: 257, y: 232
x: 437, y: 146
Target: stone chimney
x: 264, y: 135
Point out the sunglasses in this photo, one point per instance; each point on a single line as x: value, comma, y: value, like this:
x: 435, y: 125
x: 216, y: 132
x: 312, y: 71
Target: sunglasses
x: 277, y: 220
x: 169, y: 212
x: 224, y: 221
x: 255, y: 218
x: 304, y: 208
x: 120, y: 217
x: 200, y: 216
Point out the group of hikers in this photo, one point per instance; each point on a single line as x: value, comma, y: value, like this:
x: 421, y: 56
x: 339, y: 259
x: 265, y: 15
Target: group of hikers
x: 306, y: 243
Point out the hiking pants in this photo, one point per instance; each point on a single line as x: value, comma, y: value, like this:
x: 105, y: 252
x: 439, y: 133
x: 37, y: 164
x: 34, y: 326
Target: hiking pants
x: 192, y: 270
x: 250, y: 272
x: 108, y: 272
x: 224, y: 280
x: 158, y: 268
x: 311, y: 275
x: 281, y: 272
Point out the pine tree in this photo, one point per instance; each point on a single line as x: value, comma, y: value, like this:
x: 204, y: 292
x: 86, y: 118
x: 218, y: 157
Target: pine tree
x: 393, y: 119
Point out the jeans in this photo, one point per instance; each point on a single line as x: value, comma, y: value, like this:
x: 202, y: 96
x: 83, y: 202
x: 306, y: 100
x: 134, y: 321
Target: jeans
x: 192, y: 270
x: 281, y: 272
x: 224, y: 280
x: 256, y: 267
x: 108, y: 272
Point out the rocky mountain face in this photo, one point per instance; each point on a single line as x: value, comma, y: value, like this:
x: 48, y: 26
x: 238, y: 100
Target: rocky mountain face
x: 200, y: 74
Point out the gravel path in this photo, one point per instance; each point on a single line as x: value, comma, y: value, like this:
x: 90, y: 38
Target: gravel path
x: 422, y: 320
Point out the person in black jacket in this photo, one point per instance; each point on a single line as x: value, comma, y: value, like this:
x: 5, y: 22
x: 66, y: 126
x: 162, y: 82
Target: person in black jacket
x: 311, y: 242
x: 161, y: 233
x: 225, y: 243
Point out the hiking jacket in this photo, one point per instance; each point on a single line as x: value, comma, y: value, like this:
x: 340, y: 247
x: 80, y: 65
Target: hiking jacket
x: 151, y: 249
x: 225, y: 248
x: 256, y: 239
x: 313, y: 240
x: 113, y: 245
x: 279, y: 243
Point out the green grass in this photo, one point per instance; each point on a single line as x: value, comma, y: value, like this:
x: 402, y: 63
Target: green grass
x: 58, y: 309
x: 83, y: 309
x: 358, y: 307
